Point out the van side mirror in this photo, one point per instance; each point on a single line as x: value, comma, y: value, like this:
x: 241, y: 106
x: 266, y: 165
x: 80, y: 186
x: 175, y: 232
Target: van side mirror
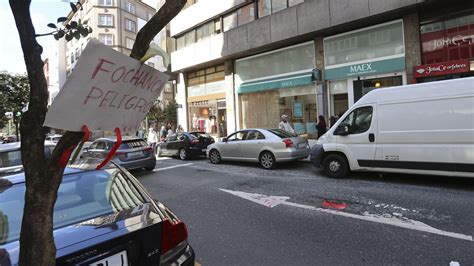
x: 342, y: 130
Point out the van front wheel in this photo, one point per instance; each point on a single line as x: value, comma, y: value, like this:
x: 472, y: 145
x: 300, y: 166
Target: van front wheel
x: 335, y: 166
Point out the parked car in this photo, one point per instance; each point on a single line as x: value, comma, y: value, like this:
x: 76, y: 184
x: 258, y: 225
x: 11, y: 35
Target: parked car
x: 10, y: 156
x: 424, y: 128
x: 133, y: 153
x: 185, y: 145
x: 101, y: 217
x: 266, y: 146
x: 9, y: 139
x: 53, y: 138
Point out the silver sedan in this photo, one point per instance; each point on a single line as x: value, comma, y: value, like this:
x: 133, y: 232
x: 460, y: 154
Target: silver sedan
x: 265, y: 146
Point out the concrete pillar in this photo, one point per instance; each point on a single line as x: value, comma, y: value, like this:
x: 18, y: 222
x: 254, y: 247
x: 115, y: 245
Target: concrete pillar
x: 231, y: 100
x: 181, y: 98
x: 321, y: 90
x: 411, y: 28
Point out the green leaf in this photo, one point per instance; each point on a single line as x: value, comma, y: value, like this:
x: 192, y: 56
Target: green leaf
x: 73, y: 24
x: 62, y: 19
x: 77, y: 35
x: 73, y: 7
x: 85, y: 22
x: 69, y: 37
x: 68, y: 27
x: 84, y: 32
x: 52, y: 25
x: 61, y: 33
x: 56, y: 36
x: 89, y: 30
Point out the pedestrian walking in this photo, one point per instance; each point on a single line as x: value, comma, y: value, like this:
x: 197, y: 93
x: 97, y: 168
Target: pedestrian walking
x: 321, y: 126
x: 163, y: 133
x: 152, y: 138
x: 285, y: 125
x: 170, y: 129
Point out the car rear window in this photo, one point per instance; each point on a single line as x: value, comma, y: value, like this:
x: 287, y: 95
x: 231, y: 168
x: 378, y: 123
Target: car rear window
x: 199, y: 134
x: 81, y: 197
x: 10, y: 158
x: 282, y: 133
x: 132, y: 144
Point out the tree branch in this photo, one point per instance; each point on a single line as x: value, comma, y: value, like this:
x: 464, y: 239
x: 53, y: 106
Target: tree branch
x: 144, y: 37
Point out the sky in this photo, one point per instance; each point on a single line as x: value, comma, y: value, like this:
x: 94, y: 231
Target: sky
x: 42, y: 13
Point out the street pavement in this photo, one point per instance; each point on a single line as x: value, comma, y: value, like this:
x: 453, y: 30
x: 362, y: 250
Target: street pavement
x: 241, y: 214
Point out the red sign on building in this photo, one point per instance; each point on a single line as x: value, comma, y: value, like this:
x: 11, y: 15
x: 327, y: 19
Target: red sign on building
x: 446, y: 68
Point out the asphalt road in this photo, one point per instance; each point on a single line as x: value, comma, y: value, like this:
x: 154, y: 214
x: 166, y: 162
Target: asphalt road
x: 240, y: 214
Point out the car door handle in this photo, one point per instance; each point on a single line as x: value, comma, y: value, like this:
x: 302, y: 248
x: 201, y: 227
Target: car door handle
x: 371, y: 137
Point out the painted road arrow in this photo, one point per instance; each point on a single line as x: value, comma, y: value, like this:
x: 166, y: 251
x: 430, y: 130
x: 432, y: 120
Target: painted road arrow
x: 398, y: 221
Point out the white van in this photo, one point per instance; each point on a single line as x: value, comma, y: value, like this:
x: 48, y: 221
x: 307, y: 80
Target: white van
x: 424, y: 128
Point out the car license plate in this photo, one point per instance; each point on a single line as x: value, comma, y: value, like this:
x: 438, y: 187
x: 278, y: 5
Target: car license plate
x: 119, y: 259
x: 134, y: 154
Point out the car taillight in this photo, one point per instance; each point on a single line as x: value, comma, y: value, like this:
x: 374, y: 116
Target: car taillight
x: 288, y: 143
x: 194, y: 141
x: 172, y: 235
x: 148, y: 149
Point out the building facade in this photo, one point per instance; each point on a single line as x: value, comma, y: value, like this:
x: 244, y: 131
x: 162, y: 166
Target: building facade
x: 242, y: 64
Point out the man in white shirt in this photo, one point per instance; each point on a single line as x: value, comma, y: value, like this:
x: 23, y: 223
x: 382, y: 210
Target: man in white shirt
x: 285, y: 125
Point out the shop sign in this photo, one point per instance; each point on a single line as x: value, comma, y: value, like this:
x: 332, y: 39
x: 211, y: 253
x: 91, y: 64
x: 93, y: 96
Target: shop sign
x: 106, y: 90
x: 364, y: 69
x: 446, y: 68
x: 449, y: 41
x: 289, y: 81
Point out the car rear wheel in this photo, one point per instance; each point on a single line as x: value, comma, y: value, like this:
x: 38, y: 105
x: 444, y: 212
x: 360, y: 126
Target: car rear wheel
x: 183, y: 155
x: 335, y: 166
x: 267, y: 160
x: 214, y: 157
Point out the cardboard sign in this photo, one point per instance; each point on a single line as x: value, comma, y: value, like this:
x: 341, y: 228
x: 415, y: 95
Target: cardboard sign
x: 106, y: 89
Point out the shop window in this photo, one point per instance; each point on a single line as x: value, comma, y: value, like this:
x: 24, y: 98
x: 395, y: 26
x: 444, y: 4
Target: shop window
x: 264, y: 8
x: 246, y: 14
x: 230, y: 21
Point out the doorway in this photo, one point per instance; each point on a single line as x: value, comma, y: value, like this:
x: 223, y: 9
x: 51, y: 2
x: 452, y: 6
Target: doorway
x: 362, y: 87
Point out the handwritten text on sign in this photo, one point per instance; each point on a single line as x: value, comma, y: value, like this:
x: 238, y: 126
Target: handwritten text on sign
x: 105, y: 90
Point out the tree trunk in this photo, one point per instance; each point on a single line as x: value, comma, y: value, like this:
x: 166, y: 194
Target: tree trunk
x: 43, y: 176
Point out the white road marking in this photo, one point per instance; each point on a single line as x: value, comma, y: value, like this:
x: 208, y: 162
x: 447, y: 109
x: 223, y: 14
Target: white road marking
x: 171, y: 167
x: 163, y: 158
x: 272, y: 201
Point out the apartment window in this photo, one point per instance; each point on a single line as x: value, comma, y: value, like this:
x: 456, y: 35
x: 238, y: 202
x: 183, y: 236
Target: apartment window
x: 189, y: 38
x: 230, y: 21
x: 149, y: 16
x: 278, y: 5
x: 72, y: 58
x: 77, y: 53
x: 130, y: 25
x: 208, y: 75
x: 245, y: 14
x: 129, y: 43
x: 107, y: 39
x: 205, y: 30
x: 218, y: 26
x: 105, y: 2
x: 264, y: 8
x: 294, y: 2
x: 130, y: 7
x: 106, y: 20
x: 180, y: 42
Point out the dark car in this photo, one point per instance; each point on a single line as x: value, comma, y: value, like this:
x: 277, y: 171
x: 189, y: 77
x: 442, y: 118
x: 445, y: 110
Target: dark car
x: 101, y: 217
x: 185, y: 145
x: 133, y: 153
x: 10, y: 156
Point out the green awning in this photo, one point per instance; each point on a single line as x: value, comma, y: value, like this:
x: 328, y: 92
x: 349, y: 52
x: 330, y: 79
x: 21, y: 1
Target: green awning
x: 294, y: 80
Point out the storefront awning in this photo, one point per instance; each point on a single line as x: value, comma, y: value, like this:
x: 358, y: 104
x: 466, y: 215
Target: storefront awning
x: 289, y: 81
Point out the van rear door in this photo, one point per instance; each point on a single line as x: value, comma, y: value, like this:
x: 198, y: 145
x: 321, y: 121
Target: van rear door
x: 356, y: 136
